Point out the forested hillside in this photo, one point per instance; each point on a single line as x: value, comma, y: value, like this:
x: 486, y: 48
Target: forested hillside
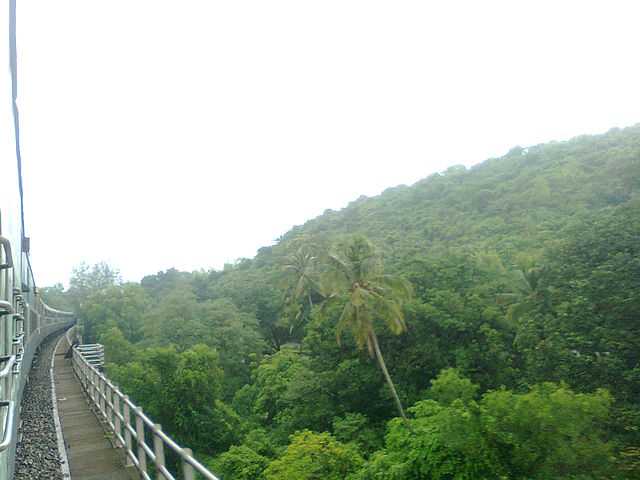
x: 503, y: 302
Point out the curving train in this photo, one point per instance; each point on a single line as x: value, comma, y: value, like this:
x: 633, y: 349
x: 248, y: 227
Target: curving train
x: 25, y: 320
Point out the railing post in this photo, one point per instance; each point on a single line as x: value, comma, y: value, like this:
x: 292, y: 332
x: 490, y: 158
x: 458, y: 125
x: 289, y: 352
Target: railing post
x: 158, y: 449
x: 142, y: 455
x: 106, y: 398
x: 127, y: 433
x: 90, y: 384
x: 116, y: 416
x: 102, y: 396
x: 94, y: 387
x: 85, y: 375
x: 98, y: 390
x: 110, y: 407
x: 187, y: 470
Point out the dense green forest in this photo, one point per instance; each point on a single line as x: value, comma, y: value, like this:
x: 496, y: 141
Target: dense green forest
x: 483, y: 323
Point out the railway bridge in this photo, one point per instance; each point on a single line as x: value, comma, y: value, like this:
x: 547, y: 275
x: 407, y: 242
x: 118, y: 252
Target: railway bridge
x: 74, y: 423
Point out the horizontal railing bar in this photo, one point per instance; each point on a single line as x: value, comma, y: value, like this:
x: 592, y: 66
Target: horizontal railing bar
x: 201, y: 469
x: 61, y: 313
x: 165, y: 473
x: 133, y: 431
x: 149, y: 451
x: 133, y: 458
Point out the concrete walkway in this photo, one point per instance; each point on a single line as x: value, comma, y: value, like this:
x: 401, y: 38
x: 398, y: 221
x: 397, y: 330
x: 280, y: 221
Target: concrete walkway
x: 90, y: 453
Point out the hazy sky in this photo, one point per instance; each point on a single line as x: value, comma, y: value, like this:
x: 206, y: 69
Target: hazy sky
x: 190, y: 133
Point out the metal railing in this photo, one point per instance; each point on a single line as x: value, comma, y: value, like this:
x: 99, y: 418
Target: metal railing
x: 131, y: 427
x: 93, y: 353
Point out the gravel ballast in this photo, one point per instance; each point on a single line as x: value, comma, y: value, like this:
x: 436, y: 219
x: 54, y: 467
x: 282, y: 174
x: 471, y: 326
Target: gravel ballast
x: 37, y: 455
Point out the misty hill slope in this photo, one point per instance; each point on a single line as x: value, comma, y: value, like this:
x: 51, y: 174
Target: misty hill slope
x: 520, y: 200
x: 529, y: 204
x: 525, y: 271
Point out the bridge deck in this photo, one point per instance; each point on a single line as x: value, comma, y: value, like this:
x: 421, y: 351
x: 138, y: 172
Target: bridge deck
x: 90, y: 453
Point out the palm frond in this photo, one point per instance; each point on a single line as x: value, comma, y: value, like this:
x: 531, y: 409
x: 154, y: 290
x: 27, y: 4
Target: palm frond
x: 520, y: 282
x: 399, y: 286
x: 343, y: 321
x: 340, y: 264
x: 517, y: 310
x: 330, y: 300
x: 391, y: 312
x: 507, y: 298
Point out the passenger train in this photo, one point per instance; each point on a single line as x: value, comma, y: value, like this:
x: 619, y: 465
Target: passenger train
x: 25, y: 320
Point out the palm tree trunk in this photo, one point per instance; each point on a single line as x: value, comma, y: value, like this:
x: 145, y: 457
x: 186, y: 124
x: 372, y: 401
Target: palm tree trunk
x: 387, y: 377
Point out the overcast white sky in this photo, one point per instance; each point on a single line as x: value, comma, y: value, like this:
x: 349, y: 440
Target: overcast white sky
x: 190, y: 133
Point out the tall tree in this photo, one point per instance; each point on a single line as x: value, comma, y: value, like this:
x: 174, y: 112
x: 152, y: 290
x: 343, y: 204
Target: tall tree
x: 87, y: 278
x: 87, y: 281
x: 359, y: 280
x: 315, y: 455
x: 303, y: 284
x: 527, y: 292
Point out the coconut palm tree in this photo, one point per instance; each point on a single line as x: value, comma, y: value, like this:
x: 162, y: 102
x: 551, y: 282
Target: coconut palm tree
x: 358, y: 279
x: 300, y: 265
x: 527, y: 292
x: 302, y: 284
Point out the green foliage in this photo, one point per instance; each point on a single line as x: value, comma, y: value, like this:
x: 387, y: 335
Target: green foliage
x: 183, y: 392
x: 118, y: 350
x: 290, y: 395
x: 356, y: 428
x: 88, y: 286
x: 524, y: 271
x: 259, y: 441
x: 549, y: 432
x: 235, y: 335
x: 438, y: 443
x: 312, y: 456
x: 450, y: 386
x: 240, y: 463
x: 272, y: 379
x: 174, y: 320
